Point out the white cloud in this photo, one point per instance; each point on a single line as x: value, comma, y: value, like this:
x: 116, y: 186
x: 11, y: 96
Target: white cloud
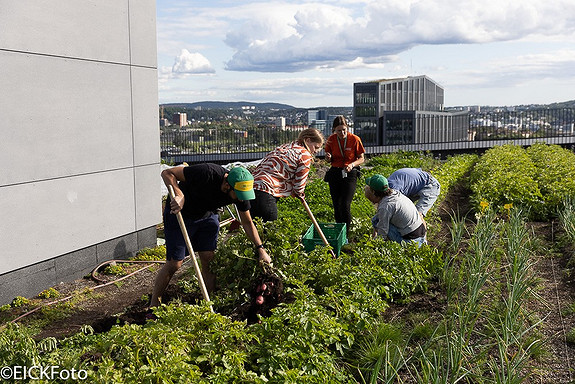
x: 474, y: 48
x: 511, y: 72
x: 188, y: 63
x: 286, y: 38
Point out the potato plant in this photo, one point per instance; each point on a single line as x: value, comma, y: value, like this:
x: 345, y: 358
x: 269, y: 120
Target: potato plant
x: 538, y: 179
x: 555, y: 175
x: 505, y: 175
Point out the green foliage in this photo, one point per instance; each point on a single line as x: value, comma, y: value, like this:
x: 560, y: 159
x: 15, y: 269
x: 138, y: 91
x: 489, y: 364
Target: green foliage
x: 19, y: 301
x: 187, y: 344
x: 49, y: 293
x: 570, y: 337
x: 505, y: 175
x: 555, y: 175
x: 454, y: 170
x: 156, y: 253
x: 303, y: 340
x: 386, y: 164
x: 538, y: 179
x: 114, y: 270
x: 378, y: 352
x: 567, y: 219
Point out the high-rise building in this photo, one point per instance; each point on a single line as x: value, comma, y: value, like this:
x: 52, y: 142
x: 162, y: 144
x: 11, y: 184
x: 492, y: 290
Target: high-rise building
x: 280, y: 123
x: 180, y: 119
x: 392, y: 111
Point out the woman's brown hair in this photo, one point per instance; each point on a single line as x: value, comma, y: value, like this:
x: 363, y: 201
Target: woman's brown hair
x: 339, y: 120
x: 310, y: 133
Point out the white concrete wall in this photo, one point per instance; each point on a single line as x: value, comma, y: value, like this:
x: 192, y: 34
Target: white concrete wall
x: 79, y: 123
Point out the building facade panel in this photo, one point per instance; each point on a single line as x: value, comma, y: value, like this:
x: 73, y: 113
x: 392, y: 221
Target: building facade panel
x: 90, y: 29
x: 148, y: 195
x: 366, y: 101
x: 145, y: 109
x: 54, y: 217
x: 143, y: 50
x: 52, y: 112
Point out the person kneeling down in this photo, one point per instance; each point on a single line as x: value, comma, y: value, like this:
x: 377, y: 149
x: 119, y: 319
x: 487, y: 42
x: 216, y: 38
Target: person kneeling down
x: 397, y: 217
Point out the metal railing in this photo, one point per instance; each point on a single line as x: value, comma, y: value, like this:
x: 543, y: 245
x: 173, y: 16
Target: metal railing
x: 480, y: 131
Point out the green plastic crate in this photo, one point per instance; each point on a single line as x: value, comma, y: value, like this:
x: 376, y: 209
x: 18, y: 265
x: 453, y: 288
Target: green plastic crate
x: 333, y: 232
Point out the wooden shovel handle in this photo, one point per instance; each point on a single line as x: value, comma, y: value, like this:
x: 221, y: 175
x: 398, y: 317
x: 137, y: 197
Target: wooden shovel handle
x: 316, y: 225
x: 191, y: 250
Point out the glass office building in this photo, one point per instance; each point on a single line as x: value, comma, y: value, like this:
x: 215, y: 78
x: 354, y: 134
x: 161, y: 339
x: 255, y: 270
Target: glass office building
x: 404, y: 111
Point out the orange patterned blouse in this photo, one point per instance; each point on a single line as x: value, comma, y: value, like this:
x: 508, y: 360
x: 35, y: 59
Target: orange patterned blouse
x: 283, y: 172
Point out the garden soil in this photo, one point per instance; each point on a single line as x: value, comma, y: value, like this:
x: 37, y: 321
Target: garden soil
x: 126, y: 301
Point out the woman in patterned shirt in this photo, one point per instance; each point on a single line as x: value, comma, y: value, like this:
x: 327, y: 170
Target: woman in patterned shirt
x: 283, y: 172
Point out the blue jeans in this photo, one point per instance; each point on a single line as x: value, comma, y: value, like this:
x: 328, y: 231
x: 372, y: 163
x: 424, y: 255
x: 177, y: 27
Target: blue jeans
x: 393, y: 234
x: 427, y: 196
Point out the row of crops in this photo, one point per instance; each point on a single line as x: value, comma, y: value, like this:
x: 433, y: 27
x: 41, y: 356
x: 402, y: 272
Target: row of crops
x: 333, y: 328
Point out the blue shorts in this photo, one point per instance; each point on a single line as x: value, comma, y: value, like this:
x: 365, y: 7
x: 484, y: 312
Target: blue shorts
x: 203, y: 234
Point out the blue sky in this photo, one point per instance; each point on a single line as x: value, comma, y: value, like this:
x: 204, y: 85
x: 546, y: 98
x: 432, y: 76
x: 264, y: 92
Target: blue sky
x: 309, y: 53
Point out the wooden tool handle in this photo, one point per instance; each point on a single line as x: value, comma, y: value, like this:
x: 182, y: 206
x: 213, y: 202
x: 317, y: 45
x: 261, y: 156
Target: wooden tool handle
x: 191, y: 250
x: 316, y: 225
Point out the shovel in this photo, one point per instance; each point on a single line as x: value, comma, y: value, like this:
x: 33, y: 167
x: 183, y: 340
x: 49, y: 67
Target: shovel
x: 191, y: 250
x: 316, y: 225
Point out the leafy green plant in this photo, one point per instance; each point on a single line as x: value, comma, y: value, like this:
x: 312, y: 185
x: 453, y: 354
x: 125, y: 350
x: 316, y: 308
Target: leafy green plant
x: 555, y: 175
x: 570, y: 337
x: 155, y: 253
x: 537, y: 179
x: 49, y: 293
x: 19, y: 301
x: 388, y: 163
x: 567, y: 219
x: 115, y: 270
x: 505, y: 175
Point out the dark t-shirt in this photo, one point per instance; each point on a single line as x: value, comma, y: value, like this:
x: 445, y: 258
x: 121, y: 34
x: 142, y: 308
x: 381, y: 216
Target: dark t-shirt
x: 203, y: 191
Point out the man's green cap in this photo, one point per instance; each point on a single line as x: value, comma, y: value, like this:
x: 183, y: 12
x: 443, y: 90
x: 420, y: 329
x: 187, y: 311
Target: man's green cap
x: 242, y: 182
x: 377, y: 183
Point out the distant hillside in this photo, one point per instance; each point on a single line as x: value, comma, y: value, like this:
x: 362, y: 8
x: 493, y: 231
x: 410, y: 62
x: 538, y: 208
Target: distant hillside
x: 237, y: 105
x: 228, y: 105
x: 564, y: 104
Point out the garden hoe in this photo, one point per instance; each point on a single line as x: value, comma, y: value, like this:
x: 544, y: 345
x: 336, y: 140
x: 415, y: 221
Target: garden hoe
x: 191, y: 250
x: 316, y: 225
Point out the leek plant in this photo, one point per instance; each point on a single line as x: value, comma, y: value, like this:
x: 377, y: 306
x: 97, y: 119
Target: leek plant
x: 511, y: 327
x: 457, y: 230
x: 567, y: 218
x: 452, y: 355
x: 482, y: 246
x: 381, y: 354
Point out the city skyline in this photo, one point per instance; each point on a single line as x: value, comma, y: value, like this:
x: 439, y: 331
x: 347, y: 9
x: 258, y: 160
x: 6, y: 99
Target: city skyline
x: 309, y: 54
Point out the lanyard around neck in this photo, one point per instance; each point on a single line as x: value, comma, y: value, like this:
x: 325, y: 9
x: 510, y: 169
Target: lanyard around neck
x: 344, y: 145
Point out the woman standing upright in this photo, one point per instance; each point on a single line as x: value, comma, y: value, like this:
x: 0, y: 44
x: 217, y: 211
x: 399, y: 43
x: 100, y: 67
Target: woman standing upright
x: 345, y: 152
x: 283, y: 172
